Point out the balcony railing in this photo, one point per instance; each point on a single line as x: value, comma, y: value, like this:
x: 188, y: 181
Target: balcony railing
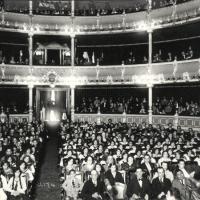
x: 111, y: 23
x: 177, y: 71
x: 183, y: 121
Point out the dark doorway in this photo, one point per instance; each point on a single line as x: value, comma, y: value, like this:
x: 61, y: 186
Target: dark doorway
x: 53, y: 57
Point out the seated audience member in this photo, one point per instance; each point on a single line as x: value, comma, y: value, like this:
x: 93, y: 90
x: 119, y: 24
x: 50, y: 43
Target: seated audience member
x: 12, y: 60
x: 3, y: 187
x: 93, y: 188
x: 72, y: 186
x: 88, y: 166
x: 190, y: 53
x: 164, y: 158
x: 183, y: 185
x: 113, y: 175
x: 139, y: 187
x: 17, y: 186
x: 147, y: 167
x: 160, y: 185
x: 181, y: 166
x: 168, y: 173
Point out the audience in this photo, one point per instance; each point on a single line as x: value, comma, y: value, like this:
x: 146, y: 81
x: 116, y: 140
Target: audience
x: 135, y: 105
x: 64, y: 8
x: 20, y: 149
x: 109, y: 174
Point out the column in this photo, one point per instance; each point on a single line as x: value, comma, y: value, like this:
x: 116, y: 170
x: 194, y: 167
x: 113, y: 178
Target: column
x: 72, y: 8
x: 60, y: 56
x: 68, y: 105
x: 30, y: 49
x: 72, y: 50
x: 150, y: 87
x: 150, y: 50
x: 45, y: 56
x: 30, y: 87
x: 30, y: 7
x: 72, y: 102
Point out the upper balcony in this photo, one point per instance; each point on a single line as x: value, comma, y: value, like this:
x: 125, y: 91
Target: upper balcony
x: 100, y: 24
x: 161, y: 73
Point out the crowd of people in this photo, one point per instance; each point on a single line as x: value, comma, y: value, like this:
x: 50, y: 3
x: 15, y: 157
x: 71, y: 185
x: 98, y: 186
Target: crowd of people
x: 99, y: 56
x: 92, y: 57
x: 129, y: 161
x: 137, y: 105
x: 44, y: 7
x: 20, y: 153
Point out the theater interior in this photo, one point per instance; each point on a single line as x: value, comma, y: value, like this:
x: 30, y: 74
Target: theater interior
x: 100, y: 99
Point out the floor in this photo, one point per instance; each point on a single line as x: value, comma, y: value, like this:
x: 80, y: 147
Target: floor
x: 47, y: 186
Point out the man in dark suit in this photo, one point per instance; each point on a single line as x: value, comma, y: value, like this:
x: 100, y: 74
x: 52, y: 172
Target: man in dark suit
x: 138, y: 187
x: 183, y: 185
x: 93, y: 189
x: 160, y: 185
x: 147, y: 167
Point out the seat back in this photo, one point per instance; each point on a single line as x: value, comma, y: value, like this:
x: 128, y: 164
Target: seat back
x: 120, y: 191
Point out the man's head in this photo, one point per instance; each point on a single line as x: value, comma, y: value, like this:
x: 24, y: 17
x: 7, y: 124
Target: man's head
x: 181, y: 164
x: 164, y: 166
x: 179, y: 175
x: 139, y: 173
x: 161, y: 173
x: 94, y: 175
x: 146, y: 158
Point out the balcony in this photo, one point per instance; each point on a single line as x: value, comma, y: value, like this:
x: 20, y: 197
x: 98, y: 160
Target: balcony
x: 161, y: 73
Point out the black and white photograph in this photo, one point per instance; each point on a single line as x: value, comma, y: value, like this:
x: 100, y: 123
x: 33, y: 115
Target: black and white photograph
x: 99, y: 99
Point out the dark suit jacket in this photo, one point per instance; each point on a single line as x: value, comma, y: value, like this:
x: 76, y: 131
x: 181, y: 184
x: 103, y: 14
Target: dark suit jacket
x: 89, y: 189
x: 134, y: 187
x: 158, y: 187
x: 145, y: 170
x: 113, y: 180
x: 184, y: 189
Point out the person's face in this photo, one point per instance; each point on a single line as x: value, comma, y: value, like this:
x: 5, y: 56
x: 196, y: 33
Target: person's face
x: 26, y: 159
x: 181, y: 165
x: 139, y: 173
x: 180, y: 175
x: 98, y: 168
x: 89, y: 160
x: 113, y: 168
x: 164, y: 166
x: 130, y: 159
x: 22, y: 167
x: 72, y: 173
x: 160, y: 173
x: 146, y: 159
x: 5, y: 166
x: 94, y: 175
x: 8, y: 152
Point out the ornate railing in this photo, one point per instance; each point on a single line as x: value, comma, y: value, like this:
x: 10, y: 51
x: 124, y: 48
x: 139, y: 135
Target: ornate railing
x: 112, y: 23
x: 169, y: 72
x: 183, y: 121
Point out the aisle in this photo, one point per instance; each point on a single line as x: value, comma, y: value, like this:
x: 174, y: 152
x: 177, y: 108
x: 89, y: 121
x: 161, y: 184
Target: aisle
x: 47, y: 187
